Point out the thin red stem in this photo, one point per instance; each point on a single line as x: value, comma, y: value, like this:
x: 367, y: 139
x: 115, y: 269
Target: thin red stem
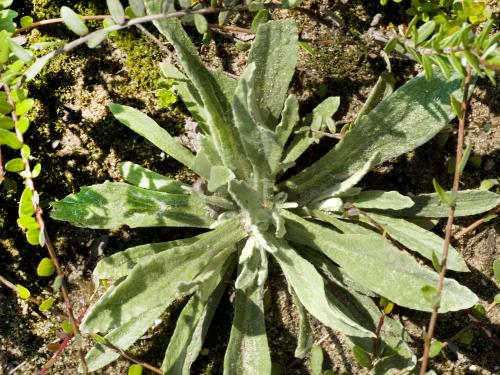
x: 451, y: 216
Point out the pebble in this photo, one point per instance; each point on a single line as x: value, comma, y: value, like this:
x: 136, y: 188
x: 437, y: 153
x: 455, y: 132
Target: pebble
x: 55, y: 144
x: 473, y: 368
x: 158, y: 322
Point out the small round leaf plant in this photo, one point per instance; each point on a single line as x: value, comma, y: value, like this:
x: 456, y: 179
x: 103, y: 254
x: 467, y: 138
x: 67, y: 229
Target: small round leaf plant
x: 335, y: 262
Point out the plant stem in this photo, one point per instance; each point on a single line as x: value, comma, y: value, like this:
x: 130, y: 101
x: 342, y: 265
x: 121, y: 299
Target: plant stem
x: 57, y: 20
x: 477, y: 223
x: 132, y: 359
x: 39, y: 218
x: 11, y: 286
x: 451, y: 216
x: 2, y: 170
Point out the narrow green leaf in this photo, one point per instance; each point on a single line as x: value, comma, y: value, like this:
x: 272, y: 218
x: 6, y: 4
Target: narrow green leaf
x: 217, y: 112
x: 15, y: 165
x: 111, y: 205
x: 193, y: 322
x: 420, y: 240
x: 19, y: 51
x: 319, y: 118
x: 443, y: 195
x: 36, y: 67
x: 146, y: 179
x: 97, y: 38
x: 468, y: 202
x: 427, y: 65
x: 154, y: 284
x: 149, y: 129
x: 46, y: 305
x: 275, y: 53
x: 305, y: 340
x: 247, y: 352
x: 316, y: 360
x: 383, y: 88
x: 310, y: 289
x: 23, y: 292
x: 122, y: 337
x: 356, y: 253
x: 391, y: 123
x: 457, y: 105
x: 261, y: 17
x: 74, y: 21
x: 116, y: 10
x: 361, y: 356
x: 496, y: 270
x: 465, y: 158
x: 380, y: 200
x: 45, y: 268
x: 289, y: 118
x: 436, y: 263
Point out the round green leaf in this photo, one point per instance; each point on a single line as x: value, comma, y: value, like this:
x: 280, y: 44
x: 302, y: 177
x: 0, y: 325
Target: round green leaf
x: 67, y: 327
x: 135, y: 370
x: 45, y: 267
x: 23, y: 124
x: 435, y: 348
x: 26, y: 21
x: 32, y: 236
x: 201, y: 23
x: 74, y: 21
x: 117, y: 12
x: 24, y: 107
x: 26, y: 203
x: 10, y: 139
x: 15, y: 165
x: 23, y: 292
x: 45, y: 305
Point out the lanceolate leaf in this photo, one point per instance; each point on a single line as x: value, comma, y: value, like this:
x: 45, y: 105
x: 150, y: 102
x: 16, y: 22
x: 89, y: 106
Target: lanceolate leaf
x: 289, y: 118
x: 305, y: 340
x: 146, y: 179
x: 121, y: 264
x: 261, y: 145
x: 393, y: 274
x: 382, y: 89
x: 274, y: 52
x: 468, y: 202
x: 379, y: 199
x: 390, y: 129
x: 111, y: 205
x: 149, y: 129
x: 248, y: 351
x: 225, y: 138
x: 155, y: 283
x: 122, y: 337
x: 192, y: 324
x: 320, y: 116
x: 420, y: 240
x: 310, y: 289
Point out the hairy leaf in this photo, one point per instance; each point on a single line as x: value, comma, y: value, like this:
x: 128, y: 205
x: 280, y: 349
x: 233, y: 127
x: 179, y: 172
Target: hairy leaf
x: 419, y: 240
x: 154, y: 283
x: 192, y: 324
x: 379, y: 199
x: 149, y: 129
x: 274, y: 52
x: 122, y: 337
x: 247, y: 352
x: 305, y: 340
x: 382, y: 89
x: 393, y: 274
x: 146, y: 179
x: 74, y: 21
x: 468, y: 202
x: 111, y: 205
x: 121, y: 264
x: 289, y: 118
x: 309, y: 287
x: 225, y: 138
x: 389, y: 129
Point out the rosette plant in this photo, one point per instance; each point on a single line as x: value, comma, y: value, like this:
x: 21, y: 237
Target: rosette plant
x: 334, y: 264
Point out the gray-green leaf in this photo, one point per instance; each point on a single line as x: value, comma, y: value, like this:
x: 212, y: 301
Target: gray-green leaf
x: 111, y: 205
x: 74, y: 21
